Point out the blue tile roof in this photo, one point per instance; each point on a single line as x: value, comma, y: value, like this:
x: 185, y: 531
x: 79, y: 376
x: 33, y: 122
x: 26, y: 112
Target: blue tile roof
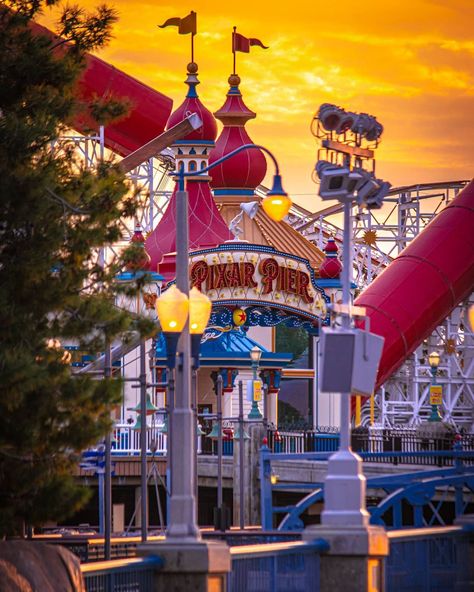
x: 232, y: 347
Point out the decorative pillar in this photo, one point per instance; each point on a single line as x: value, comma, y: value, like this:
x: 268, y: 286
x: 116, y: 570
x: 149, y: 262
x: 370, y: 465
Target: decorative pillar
x: 272, y: 378
x: 228, y: 384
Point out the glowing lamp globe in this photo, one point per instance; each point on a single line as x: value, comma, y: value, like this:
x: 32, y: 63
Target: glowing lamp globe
x: 172, y: 308
x: 255, y: 354
x: 199, y: 311
x: 276, y: 203
x: 471, y: 317
x: 434, y: 359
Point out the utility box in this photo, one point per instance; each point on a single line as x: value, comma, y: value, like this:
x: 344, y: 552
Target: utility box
x: 349, y: 361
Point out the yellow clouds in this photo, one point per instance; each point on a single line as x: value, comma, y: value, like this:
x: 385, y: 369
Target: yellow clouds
x: 410, y: 62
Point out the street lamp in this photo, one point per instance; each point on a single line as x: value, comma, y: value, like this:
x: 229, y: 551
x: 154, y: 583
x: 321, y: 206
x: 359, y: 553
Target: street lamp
x: 276, y: 203
x: 255, y: 355
x: 172, y: 308
x: 183, y: 520
x: 435, y: 388
x: 200, y: 308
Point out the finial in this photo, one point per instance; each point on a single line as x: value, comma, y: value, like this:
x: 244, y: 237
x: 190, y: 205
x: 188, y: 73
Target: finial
x: 192, y: 80
x: 234, y: 80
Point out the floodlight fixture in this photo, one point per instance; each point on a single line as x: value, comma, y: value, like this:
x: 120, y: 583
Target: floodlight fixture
x: 367, y: 126
x: 330, y: 116
x: 371, y: 191
x: 334, y: 118
x: 337, y: 182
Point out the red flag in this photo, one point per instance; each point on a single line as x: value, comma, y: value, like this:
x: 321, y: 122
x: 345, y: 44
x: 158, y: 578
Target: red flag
x: 185, y: 25
x: 241, y: 43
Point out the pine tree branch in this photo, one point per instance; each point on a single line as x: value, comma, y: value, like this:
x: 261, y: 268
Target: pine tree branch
x: 67, y: 205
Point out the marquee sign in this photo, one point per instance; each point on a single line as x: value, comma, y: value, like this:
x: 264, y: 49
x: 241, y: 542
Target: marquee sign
x: 245, y: 275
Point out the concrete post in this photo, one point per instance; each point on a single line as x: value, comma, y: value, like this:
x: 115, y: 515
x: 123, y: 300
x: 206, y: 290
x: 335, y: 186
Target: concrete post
x: 356, y: 558
x: 195, y: 566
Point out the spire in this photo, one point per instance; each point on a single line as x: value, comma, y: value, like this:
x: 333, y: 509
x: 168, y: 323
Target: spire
x: 142, y: 262
x: 192, y: 104
x: 206, y: 226
x: 241, y: 174
x: 331, y: 267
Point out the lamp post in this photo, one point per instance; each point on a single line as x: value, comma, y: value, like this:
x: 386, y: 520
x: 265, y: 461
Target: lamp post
x: 255, y: 355
x: 435, y: 388
x: 183, y: 522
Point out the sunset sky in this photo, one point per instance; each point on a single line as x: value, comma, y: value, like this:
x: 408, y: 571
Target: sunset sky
x: 410, y: 63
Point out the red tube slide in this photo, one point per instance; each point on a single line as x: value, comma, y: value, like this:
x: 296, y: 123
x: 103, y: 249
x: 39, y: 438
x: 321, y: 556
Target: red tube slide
x: 423, y: 284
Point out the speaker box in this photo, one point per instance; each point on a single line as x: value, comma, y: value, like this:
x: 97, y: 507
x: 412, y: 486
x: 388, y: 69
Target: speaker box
x: 349, y: 361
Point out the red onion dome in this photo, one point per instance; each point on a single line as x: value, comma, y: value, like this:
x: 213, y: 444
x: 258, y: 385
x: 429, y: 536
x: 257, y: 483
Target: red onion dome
x: 331, y: 267
x: 144, y: 259
x: 245, y: 171
x: 208, y: 131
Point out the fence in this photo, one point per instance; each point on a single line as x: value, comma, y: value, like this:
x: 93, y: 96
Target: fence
x: 375, y: 444
x: 278, y: 567
x: 429, y: 560
x: 131, y: 575
x: 326, y: 439
x: 126, y: 440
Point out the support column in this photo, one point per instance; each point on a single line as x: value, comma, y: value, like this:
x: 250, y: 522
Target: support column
x: 272, y: 408
x: 356, y: 558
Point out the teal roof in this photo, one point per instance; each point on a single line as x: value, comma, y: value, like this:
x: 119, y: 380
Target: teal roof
x: 231, y: 348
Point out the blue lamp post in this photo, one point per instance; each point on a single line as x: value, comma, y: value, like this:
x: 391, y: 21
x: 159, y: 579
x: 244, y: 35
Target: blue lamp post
x: 255, y: 355
x: 435, y: 388
x: 183, y: 520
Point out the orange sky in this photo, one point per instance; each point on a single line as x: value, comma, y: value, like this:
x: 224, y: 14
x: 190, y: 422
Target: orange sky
x: 410, y: 63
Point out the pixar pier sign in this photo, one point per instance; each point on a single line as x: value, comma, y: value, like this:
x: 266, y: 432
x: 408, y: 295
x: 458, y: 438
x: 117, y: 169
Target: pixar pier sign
x: 242, y: 274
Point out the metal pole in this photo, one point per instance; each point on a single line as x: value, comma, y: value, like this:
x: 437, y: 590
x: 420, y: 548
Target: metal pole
x: 183, y: 522
x: 346, y: 319
x: 100, y: 481
x: 241, y: 456
x: 219, y: 451
x: 265, y: 409
x: 170, y: 406
x: 345, y: 483
x: 143, y: 444
x: 108, y: 468
x: 195, y: 414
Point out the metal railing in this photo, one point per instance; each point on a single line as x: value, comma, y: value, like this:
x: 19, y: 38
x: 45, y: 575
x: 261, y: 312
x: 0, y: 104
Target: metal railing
x: 121, y: 575
x: 276, y: 567
x: 300, y: 441
x: 410, y: 446
x: 126, y: 441
x: 429, y: 560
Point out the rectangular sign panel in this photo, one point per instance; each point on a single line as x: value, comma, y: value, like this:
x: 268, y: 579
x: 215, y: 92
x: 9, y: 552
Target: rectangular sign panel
x: 436, y: 394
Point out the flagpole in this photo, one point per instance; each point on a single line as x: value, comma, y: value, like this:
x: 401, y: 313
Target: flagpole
x: 233, y: 45
x: 192, y: 47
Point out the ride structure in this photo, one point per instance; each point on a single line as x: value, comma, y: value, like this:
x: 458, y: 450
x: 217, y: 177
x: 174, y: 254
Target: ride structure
x: 403, y: 398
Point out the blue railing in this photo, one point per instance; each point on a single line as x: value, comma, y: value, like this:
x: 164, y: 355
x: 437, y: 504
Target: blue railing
x: 418, y: 489
x: 278, y: 567
x: 121, y: 575
x: 429, y: 560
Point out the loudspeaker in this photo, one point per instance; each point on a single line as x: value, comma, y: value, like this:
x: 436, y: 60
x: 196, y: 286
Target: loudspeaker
x: 250, y: 208
x: 349, y: 361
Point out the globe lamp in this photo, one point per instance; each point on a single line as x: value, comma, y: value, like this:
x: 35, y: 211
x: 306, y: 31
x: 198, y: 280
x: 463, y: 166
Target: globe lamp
x: 276, y: 203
